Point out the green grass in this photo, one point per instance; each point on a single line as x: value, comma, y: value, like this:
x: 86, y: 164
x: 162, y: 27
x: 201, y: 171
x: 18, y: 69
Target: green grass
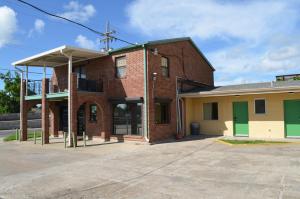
x: 252, y: 142
x: 30, y: 135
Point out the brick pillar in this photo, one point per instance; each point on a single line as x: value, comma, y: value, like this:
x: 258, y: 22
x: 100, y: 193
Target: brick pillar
x: 54, y: 119
x: 74, y: 107
x: 23, y: 112
x: 45, y: 110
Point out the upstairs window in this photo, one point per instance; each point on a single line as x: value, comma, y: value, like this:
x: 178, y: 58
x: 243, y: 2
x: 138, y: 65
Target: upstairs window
x: 93, y: 113
x: 165, y: 66
x: 260, y: 106
x: 120, y: 67
x: 162, y: 113
x: 210, y: 111
x: 80, y: 72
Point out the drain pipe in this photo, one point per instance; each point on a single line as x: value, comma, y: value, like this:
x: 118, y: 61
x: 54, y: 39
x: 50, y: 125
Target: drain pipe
x: 178, y: 109
x: 146, y: 100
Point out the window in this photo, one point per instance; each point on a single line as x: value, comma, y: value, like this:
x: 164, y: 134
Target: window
x: 93, y: 113
x: 210, y: 111
x: 162, y: 113
x: 121, y: 67
x: 127, y: 119
x: 165, y: 66
x: 260, y: 106
x: 80, y: 72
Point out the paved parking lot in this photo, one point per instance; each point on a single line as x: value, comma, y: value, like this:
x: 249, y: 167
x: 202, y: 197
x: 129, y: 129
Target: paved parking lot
x: 190, y: 169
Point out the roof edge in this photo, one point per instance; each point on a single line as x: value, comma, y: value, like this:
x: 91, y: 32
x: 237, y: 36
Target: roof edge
x: 242, y: 92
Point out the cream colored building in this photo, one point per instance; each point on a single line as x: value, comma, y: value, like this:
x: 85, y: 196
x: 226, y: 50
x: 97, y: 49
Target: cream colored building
x: 259, y: 110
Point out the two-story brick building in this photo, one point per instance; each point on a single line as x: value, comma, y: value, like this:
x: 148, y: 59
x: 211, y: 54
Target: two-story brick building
x: 128, y: 93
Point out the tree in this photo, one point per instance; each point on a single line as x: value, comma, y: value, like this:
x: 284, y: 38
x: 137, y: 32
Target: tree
x: 10, y: 96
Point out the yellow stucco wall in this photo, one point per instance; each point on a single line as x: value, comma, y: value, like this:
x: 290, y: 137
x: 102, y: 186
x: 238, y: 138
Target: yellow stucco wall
x: 269, y: 125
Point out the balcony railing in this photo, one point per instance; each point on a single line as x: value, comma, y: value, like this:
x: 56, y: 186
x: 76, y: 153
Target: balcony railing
x: 34, y: 87
x: 90, y: 85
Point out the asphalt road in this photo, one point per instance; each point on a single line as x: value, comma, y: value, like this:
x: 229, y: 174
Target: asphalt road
x: 190, y: 169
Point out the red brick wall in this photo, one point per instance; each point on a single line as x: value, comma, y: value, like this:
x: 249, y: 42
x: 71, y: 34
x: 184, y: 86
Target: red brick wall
x: 104, y: 68
x: 195, y: 68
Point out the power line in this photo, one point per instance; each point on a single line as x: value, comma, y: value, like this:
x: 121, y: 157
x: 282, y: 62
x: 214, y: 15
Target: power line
x: 74, y: 22
x: 3, y: 69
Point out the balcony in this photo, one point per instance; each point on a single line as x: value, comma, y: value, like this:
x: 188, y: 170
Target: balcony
x: 90, y: 85
x: 34, y: 88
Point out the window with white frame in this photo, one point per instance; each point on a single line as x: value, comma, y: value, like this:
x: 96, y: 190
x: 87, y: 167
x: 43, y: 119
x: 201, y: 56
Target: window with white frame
x: 260, y: 106
x: 121, y: 67
x: 165, y: 66
x: 210, y: 111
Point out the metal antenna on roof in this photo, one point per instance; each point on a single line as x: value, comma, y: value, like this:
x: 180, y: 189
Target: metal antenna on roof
x: 108, y: 38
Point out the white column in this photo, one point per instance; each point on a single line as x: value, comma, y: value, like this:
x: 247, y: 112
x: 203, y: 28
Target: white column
x: 26, y: 86
x: 69, y: 100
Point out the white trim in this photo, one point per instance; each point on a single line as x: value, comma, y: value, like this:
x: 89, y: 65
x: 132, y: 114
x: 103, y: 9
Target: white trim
x: 255, y: 107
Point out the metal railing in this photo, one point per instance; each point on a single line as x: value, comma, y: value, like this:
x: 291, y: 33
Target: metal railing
x: 90, y: 85
x: 34, y: 87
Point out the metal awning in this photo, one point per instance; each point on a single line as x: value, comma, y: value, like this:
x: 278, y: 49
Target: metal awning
x: 56, y: 57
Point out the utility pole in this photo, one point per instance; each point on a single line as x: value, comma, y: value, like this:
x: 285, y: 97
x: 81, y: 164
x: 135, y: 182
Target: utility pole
x: 107, y: 37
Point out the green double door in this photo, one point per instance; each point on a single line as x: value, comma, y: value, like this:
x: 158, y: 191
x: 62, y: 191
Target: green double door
x: 240, y: 119
x: 292, y: 118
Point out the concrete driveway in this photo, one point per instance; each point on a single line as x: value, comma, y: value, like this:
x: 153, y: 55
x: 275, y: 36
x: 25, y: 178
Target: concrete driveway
x: 190, y: 169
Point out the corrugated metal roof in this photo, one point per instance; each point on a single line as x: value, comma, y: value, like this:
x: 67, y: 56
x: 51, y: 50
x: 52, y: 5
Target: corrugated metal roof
x: 244, y: 88
x: 265, y: 85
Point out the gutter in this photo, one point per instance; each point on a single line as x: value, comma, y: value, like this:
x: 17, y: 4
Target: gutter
x: 146, y: 100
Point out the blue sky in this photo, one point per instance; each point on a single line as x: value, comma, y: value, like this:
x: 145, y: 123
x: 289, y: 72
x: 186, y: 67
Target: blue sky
x: 246, y: 41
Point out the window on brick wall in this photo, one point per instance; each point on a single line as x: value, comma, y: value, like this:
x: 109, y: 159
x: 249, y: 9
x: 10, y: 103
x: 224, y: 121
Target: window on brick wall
x: 162, y: 113
x: 120, y: 67
x: 93, y: 113
x: 165, y: 66
x: 80, y: 71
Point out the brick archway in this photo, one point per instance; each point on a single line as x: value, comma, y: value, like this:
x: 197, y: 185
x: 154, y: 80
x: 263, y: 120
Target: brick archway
x: 27, y: 105
x: 92, y: 128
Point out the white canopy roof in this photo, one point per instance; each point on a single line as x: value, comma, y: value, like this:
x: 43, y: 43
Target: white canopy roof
x: 56, y: 57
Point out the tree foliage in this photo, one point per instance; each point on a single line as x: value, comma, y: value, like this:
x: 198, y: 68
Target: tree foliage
x: 10, y: 95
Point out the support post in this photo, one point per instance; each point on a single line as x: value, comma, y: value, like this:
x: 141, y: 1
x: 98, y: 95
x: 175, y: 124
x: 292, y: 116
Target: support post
x: 70, y: 112
x: 65, y: 139
x: 26, y: 86
x: 45, y: 111
x: 17, y: 132
x: 84, y: 139
x: 34, y: 136
x: 23, y: 111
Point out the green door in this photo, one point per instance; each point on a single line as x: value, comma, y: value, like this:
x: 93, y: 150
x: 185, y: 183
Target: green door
x: 240, y: 119
x: 292, y: 118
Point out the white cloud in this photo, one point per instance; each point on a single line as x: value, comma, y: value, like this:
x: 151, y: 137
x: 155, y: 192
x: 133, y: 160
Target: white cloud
x: 78, y: 12
x: 251, y: 20
x: 8, y: 25
x: 253, y: 40
x: 84, y: 42
x: 39, y: 26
